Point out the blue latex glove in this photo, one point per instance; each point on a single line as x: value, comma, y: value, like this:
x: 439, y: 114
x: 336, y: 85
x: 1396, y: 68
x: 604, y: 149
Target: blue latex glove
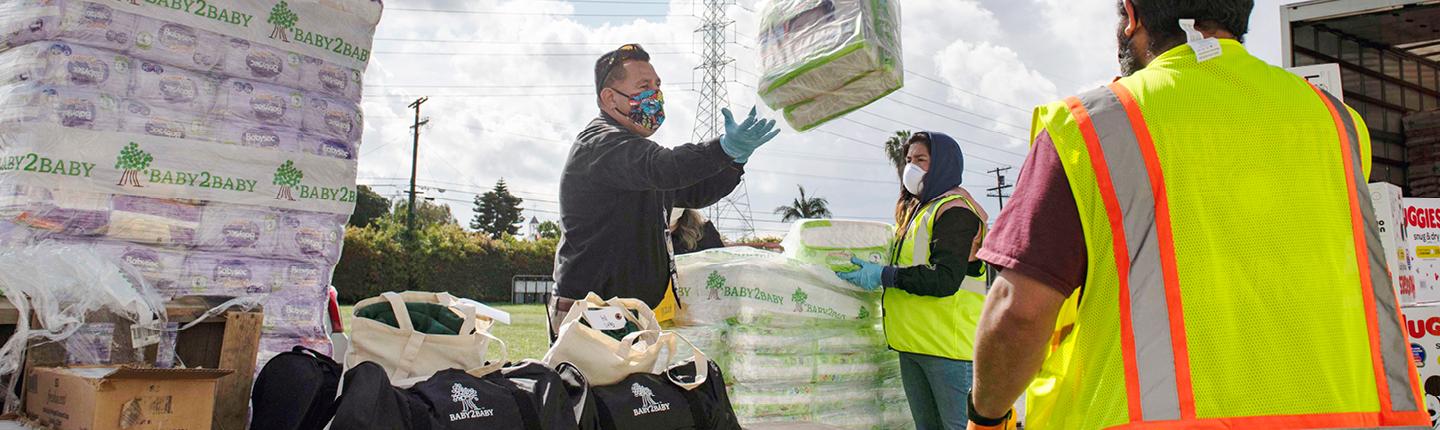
x: 867, y: 277
x: 741, y: 140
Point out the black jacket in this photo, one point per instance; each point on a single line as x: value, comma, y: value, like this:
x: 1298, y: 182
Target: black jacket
x: 615, y: 196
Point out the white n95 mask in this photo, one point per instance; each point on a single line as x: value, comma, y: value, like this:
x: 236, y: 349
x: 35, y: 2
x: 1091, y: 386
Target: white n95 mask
x: 913, y: 178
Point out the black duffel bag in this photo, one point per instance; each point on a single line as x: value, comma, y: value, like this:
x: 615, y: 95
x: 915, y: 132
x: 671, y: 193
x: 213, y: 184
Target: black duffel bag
x: 295, y: 391
x: 524, y: 396
x: 685, y: 397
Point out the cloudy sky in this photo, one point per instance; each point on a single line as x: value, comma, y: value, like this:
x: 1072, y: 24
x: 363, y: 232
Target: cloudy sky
x: 510, y: 86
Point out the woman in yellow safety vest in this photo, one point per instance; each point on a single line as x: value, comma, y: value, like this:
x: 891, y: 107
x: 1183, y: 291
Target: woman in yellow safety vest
x: 934, y: 285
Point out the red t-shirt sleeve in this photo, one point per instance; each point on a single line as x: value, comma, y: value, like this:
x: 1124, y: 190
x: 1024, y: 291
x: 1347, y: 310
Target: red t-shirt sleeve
x: 1038, y: 233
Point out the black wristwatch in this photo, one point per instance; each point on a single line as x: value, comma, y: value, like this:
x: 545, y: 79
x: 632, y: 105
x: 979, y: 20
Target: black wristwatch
x: 984, y: 421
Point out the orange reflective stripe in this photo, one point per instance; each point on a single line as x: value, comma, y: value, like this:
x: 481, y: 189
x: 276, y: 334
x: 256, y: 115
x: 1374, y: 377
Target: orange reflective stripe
x: 1167, y: 249
x: 1361, y: 252
x: 1122, y: 255
x: 1419, y: 420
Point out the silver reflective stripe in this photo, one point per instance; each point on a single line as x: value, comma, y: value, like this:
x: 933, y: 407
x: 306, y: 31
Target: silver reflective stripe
x: 1149, y: 315
x: 921, y: 254
x: 1394, y: 349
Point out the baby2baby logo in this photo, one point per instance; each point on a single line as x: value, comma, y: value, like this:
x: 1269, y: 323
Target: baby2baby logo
x: 285, y: 22
x: 36, y: 163
x: 288, y: 177
x: 134, y: 163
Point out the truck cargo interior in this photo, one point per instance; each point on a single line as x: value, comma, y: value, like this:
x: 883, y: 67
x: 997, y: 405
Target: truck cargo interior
x: 1387, y: 51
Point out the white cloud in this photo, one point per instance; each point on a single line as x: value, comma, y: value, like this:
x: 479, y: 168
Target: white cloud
x: 997, y: 74
x: 1000, y: 49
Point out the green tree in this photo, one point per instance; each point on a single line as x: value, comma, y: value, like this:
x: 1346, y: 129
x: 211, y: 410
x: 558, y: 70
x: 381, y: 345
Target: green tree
x: 283, y: 19
x: 132, y: 160
x: 804, y: 208
x: 550, y: 230
x: 799, y: 298
x: 287, y: 177
x: 498, y: 213
x: 894, y: 150
x: 864, y: 313
x: 714, y: 283
x: 426, y: 213
x: 369, y: 206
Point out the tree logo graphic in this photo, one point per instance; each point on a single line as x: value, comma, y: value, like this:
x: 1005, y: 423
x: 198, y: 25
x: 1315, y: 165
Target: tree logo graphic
x: 799, y: 298
x: 287, y: 177
x: 864, y: 314
x: 648, y: 405
x: 466, y: 397
x: 714, y: 283
x: 132, y: 160
x: 283, y: 19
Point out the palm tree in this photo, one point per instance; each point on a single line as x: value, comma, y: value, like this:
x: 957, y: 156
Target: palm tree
x: 894, y: 148
x: 804, y: 208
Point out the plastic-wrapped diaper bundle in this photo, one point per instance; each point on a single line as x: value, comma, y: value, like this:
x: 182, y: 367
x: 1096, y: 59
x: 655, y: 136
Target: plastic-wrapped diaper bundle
x: 825, y: 58
x: 833, y: 242
x: 206, y: 154
x: 796, y: 342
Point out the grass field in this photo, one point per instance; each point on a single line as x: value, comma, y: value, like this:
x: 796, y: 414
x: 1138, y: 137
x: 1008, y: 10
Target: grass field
x: 526, y: 335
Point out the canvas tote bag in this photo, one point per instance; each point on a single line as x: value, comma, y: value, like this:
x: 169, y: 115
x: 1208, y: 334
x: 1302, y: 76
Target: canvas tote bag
x: 605, y: 360
x: 409, y: 356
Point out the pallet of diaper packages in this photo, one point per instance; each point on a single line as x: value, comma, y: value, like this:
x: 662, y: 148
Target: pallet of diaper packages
x: 207, y: 146
x: 822, y: 59
x: 795, y: 342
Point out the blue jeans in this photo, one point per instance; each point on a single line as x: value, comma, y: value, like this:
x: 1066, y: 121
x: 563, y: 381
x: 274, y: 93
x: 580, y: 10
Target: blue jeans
x: 938, y: 390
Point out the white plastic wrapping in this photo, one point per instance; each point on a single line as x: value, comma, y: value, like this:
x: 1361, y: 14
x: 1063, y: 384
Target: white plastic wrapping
x: 832, y: 243
x: 748, y: 285
x: 796, y: 343
x: 74, y: 282
x: 824, y: 58
x: 204, y: 148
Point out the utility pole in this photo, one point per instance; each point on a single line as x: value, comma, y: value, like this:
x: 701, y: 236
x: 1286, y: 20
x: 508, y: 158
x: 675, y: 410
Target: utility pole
x: 1000, y: 186
x: 414, y: 164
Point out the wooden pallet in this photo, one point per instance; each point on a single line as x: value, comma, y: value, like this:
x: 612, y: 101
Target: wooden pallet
x: 229, y: 340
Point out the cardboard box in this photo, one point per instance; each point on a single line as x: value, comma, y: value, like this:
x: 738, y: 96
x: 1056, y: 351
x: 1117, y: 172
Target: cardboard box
x: 116, y: 398
x: 1422, y: 248
x: 1422, y: 323
x: 1390, y: 216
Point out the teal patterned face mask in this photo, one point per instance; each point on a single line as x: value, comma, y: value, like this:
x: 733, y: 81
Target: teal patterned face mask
x: 647, y: 109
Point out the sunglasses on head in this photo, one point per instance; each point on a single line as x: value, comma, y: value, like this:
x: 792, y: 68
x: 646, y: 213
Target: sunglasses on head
x: 615, y: 57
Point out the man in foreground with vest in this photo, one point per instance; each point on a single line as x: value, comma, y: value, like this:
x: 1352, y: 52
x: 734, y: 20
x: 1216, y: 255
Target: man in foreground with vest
x: 1208, y: 214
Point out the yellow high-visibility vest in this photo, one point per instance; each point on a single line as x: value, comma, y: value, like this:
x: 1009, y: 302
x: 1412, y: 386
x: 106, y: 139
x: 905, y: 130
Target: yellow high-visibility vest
x: 1236, y: 278
x: 935, y: 326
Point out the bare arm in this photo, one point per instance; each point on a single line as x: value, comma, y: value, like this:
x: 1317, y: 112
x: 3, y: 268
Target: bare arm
x: 1011, y: 341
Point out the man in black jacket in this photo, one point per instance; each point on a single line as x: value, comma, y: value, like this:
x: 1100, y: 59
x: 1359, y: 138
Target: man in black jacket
x: 618, y: 187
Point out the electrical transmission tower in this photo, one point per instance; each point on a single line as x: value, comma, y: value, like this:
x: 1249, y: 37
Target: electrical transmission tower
x: 714, y: 68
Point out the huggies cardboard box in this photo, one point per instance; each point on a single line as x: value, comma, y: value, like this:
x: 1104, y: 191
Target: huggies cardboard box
x: 1390, y: 218
x: 1422, y: 247
x: 116, y: 398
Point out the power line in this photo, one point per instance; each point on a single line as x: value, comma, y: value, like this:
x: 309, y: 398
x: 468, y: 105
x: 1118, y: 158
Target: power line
x: 998, y: 192
x: 484, y: 96
x: 977, y: 127
x: 962, y: 139
x: 946, y: 84
x: 592, y: 94
x: 507, y: 13
x: 963, y: 110
x: 514, y: 54
x: 836, y: 178
x: 499, y: 86
x: 443, y: 185
x: 525, y: 43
